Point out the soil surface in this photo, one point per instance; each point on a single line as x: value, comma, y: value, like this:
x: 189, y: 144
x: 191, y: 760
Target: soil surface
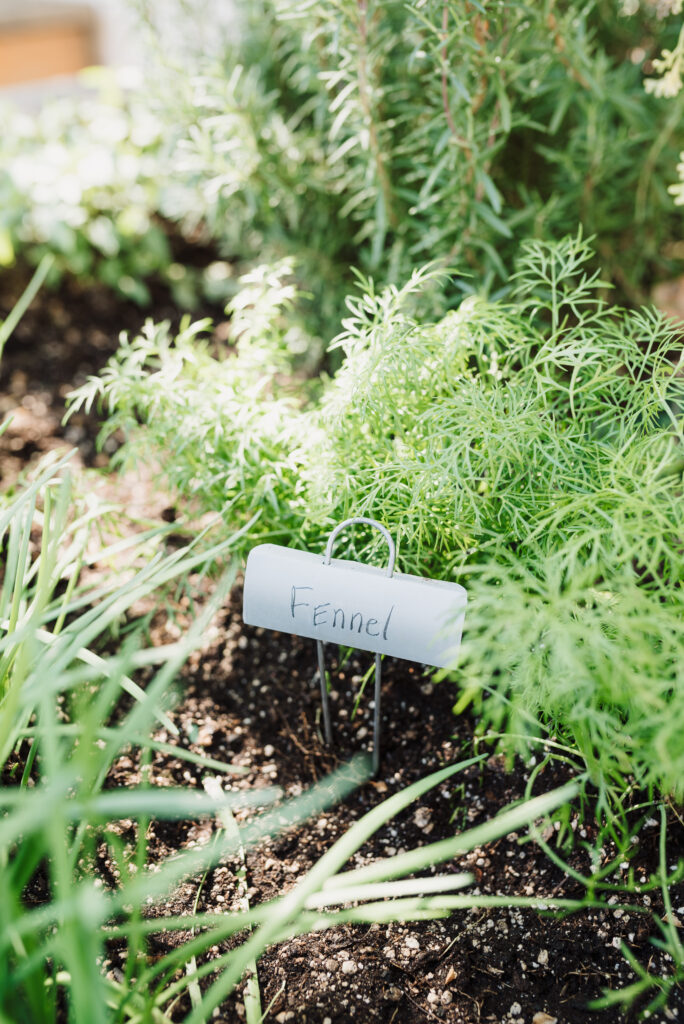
x: 251, y: 698
x: 67, y: 335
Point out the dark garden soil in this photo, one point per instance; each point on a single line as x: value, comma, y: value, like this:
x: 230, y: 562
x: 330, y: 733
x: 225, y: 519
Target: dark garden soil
x: 66, y: 335
x: 250, y: 697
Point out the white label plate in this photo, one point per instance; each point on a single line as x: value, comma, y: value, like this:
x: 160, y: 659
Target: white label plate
x: 353, y: 604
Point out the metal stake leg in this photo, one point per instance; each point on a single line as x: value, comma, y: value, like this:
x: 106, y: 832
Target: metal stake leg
x: 378, y: 661
x: 376, y: 716
x: 327, y: 727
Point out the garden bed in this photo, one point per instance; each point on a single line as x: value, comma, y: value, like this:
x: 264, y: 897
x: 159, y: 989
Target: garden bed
x: 250, y: 697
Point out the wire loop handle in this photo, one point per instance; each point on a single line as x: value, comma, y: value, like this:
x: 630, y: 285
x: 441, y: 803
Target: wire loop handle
x: 369, y: 522
x: 327, y: 725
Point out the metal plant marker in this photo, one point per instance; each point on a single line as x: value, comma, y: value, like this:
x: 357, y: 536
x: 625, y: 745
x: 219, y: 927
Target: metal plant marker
x: 354, y: 604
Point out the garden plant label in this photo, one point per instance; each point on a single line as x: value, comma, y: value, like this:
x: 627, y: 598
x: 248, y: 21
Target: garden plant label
x: 353, y: 604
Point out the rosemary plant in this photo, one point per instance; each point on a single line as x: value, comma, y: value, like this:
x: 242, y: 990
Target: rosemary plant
x: 382, y: 134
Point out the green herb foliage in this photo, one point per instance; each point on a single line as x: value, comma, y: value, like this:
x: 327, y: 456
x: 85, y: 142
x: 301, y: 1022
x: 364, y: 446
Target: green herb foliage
x: 529, y: 449
x: 370, y: 133
x: 79, y: 181
x: 82, y: 181
x: 381, y: 134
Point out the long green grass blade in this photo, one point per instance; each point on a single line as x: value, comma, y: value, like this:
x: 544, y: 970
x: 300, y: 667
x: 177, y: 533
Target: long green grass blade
x: 33, y: 287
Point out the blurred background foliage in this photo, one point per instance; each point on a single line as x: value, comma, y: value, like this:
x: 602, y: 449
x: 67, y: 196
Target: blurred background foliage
x: 381, y: 135
x: 369, y: 134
